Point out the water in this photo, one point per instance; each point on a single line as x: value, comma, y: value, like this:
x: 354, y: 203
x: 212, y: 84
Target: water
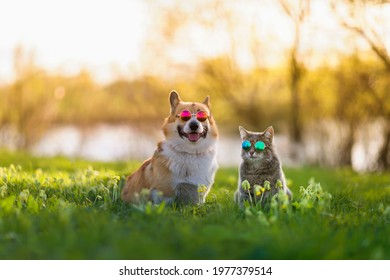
x: 117, y: 143
x: 101, y: 143
x: 104, y: 142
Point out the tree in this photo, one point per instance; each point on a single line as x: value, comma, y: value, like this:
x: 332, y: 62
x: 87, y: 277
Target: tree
x: 351, y: 107
x: 29, y: 104
x: 254, y: 97
x: 219, y: 74
x: 359, y: 20
x: 298, y: 14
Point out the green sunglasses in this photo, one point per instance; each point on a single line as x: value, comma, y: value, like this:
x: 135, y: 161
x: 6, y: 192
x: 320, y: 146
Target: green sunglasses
x: 259, y: 145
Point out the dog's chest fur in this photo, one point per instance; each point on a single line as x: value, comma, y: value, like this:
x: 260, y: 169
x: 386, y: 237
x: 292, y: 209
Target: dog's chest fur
x: 196, y: 169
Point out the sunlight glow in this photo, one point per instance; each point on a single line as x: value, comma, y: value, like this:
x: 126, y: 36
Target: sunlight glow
x: 108, y: 38
x: 65, y: 36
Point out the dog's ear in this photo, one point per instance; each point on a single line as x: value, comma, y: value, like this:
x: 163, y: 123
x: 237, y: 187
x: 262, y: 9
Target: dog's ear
x: 269, y: 133
x: 174, y: 99
x: 207, y: 101
x: 243, y: 132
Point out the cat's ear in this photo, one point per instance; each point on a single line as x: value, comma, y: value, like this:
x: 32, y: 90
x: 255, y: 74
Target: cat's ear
x: 174, y: 99
x: 243, y: 132
x: 269, y: 133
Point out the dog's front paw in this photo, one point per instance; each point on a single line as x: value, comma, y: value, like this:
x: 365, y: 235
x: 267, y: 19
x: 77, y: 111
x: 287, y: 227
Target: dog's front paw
x: 186, y: 194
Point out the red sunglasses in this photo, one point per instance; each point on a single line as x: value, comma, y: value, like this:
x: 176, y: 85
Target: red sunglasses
x: 186, y: 115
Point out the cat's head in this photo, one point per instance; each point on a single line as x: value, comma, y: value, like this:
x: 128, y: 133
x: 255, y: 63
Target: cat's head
x: 256, y: 145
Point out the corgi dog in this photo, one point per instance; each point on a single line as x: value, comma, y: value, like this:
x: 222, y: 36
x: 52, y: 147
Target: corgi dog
x: 184, y: 160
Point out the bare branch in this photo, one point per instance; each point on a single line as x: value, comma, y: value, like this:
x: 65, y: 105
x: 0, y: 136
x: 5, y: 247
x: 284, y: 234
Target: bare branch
x: 287, y: 8
x: 367, y: 33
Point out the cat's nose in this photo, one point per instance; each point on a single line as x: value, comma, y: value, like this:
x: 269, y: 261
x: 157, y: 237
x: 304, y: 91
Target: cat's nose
x: 252, y: 152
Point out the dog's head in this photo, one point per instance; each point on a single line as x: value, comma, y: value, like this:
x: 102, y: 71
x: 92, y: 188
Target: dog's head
x: 190, y: 126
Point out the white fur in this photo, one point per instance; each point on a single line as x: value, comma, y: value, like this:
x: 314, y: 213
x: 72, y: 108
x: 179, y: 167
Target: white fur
x: 193, y: 168
x: 187, y: 128
x: 182, y: 144
x: 191, y: 164
x: 257, y: 156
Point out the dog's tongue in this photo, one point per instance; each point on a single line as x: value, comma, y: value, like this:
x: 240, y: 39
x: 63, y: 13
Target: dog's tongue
x: 193, y: 136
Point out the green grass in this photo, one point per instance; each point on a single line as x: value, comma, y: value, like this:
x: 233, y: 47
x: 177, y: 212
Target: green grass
x: 71, y: 209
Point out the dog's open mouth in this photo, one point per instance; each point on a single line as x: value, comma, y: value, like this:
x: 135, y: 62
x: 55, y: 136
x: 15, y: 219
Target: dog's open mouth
x: 193, y: 136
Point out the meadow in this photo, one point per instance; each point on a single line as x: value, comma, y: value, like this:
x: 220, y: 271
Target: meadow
x: 58, y: 208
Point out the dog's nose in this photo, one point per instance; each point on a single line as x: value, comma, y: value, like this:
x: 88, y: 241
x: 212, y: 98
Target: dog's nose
x: 194, y: 126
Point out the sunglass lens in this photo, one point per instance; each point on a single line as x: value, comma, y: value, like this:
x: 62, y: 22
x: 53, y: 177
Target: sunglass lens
x: 201, y: 116
x: 185, y: 115
x: 246, y: 145
x: 259, y: 145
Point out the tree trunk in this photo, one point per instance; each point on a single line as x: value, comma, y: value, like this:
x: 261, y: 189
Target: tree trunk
x: 383, y: 160
x: 296, y: 127
x: 346, y: 149
x: 295, y: 79
x: 296, y: 153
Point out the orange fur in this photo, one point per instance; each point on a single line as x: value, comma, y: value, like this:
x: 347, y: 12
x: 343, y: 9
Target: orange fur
x: 153, y: 172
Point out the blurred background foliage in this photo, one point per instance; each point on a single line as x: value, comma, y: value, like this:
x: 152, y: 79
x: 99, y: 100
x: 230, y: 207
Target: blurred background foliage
x: 294, y: 96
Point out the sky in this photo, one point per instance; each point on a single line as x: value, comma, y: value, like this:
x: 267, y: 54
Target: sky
x: 109, y: 37
x: 99, y: 35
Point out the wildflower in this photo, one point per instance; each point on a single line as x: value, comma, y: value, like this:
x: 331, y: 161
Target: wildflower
x: 42, y: 194
x: 267, y: 185
x: 202, y: 188
x: 23, y: 196
x: 3, y: 191
x: 245, y: 185
x: 258, y: 190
